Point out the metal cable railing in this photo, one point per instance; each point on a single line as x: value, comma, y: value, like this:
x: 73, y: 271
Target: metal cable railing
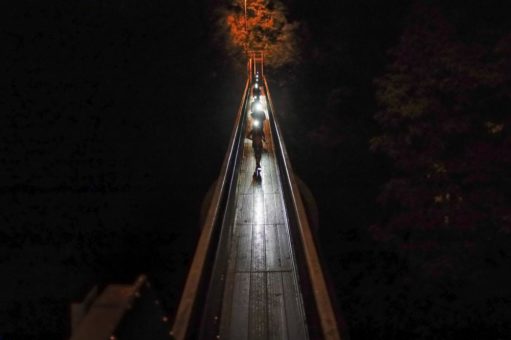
x: 194, y: 309
x: 322, y: 322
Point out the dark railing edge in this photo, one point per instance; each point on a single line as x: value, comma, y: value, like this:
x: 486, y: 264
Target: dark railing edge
x: 315, y: 280
x: 195, y: 278
x: 210, y: 323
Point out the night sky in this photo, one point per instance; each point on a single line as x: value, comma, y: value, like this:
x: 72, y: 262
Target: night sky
x: 115, y: 117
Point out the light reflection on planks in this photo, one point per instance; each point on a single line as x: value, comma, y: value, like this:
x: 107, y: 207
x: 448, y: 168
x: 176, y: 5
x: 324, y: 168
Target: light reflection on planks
x: 262, y: 299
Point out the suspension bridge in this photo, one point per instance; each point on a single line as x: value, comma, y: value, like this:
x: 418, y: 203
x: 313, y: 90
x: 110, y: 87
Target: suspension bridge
x: 256, y: 272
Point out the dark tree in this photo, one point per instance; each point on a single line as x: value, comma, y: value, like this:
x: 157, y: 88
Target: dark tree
x: 445, y: 117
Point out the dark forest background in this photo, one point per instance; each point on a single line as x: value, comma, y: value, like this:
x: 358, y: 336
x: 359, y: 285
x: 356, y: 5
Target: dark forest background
x: 115, y: 117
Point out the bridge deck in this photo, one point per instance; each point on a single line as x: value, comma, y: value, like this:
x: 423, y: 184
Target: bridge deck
x: 262, y: 299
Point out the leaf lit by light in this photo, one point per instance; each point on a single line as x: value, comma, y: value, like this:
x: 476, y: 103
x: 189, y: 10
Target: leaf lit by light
x: 265, y: 28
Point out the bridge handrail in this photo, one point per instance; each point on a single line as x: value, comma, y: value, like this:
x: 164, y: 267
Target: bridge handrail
x: 316, y: 279
x: 187, y: 308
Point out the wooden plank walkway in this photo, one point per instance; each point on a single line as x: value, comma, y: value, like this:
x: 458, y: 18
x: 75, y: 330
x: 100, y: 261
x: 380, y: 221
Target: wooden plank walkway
x: 262, y: 299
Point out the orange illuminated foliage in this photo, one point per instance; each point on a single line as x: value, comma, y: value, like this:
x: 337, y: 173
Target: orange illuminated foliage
x: 266, y: 28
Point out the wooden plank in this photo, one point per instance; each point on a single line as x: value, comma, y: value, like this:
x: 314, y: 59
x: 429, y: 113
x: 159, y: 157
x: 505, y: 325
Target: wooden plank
x: 239, y: 320
x: 247, y: 147
x: 272, y: 248
x: 259, y: 210
x: 274, y: 210
x: 244, y: 183
x: 257, y: 309
x: 278, y: 248
x: 293, y: 306
x: 275, y: 177
x: 227, y: 302
x: 285, y: 256
x: 266, y: 174
x: 269, y: 203
x: 274, y: 173
x: 244, y: 250
x: 258, y: 251
x: 280, y: 216
x: 277, y: 326
x: 248, y: 158
x: 239, y: 208
x: 244, y: 209
x: 270, y: 185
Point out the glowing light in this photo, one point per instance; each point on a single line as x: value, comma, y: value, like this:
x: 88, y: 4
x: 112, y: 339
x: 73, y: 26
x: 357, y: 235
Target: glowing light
x: 256, y: 123
x: 258, y: 106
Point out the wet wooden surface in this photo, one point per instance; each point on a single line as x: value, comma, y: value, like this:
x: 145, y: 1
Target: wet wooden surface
x: 262, y: 299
